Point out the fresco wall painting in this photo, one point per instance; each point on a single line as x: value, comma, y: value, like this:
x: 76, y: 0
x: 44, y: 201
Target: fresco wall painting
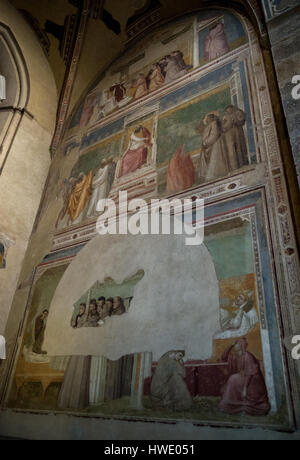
x: 185, y: 113
x: 180, y: 142
x: 5, y: 243
x: 246, y: 308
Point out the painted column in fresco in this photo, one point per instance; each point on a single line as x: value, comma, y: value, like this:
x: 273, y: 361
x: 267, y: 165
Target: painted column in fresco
x: 97, y: 380
x: 141, y: 370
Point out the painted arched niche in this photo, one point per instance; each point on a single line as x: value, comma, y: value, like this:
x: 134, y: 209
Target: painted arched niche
x: 27, y: 120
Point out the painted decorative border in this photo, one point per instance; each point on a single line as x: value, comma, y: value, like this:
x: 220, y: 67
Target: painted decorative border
x: 70, y: 75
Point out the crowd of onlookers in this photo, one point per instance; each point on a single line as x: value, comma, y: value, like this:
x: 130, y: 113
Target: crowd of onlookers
x: 98, y: 311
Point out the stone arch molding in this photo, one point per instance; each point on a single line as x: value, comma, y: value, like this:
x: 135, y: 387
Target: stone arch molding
x: 14, y: 69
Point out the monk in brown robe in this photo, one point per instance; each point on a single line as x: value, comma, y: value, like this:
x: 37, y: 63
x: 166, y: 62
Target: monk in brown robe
x: 233, y: 137
x: 168, y: 387
x: 214, y: 161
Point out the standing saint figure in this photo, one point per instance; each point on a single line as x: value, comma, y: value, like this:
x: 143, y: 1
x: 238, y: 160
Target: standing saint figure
x: 245, y: 390
x: 107, y: 103
x: 99, y: 187
x: 67, y: 188
x: 181, y: 172
x: 112, y: 165
x: 88, y: 110
x: 155, y: 78
x: 234, y: 138
x: 137, y: 152
x: 168, y: 387
x: 216, y: 44
x: 39, y: 332
x: 80, y: 195
x: 140, y: 85
x: 214, y: 163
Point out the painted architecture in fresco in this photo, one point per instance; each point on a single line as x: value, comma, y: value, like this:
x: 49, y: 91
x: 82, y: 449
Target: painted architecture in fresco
x: 274, y: 8
x: 120, y: 327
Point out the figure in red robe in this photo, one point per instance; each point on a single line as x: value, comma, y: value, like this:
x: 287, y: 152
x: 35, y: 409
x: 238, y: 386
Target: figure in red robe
x: 137, y: 153
x: 181, y: 172
x: 245, y: 390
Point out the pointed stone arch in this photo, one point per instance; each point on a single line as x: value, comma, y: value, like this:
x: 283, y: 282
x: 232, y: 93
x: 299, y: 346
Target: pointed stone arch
x: 14, y: 69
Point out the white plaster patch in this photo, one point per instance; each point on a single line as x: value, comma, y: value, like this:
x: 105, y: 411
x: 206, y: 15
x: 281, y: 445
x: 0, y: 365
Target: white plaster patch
x: 175, y: 305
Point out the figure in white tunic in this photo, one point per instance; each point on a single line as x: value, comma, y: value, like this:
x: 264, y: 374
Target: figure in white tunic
x: 99, y: 188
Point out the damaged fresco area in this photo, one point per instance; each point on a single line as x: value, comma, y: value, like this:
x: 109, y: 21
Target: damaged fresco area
x: 130, y: 363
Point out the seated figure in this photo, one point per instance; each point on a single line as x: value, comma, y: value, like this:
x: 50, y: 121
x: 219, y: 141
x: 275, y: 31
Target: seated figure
x: 245, y: 390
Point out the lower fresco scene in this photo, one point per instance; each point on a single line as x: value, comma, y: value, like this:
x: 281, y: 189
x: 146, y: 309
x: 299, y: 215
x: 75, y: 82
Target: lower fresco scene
x: 223, y: 365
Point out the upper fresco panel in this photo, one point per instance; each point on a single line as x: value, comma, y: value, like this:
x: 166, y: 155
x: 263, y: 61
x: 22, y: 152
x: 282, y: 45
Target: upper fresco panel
x: 156, y: 62
x: 178, y: 111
